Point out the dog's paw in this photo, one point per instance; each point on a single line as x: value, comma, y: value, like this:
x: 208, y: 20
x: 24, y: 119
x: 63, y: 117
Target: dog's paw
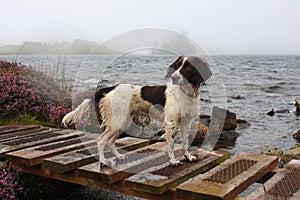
x: 104, y: 163
x: 190, y: 157
x: 175, y: 162
x: 121, y: 157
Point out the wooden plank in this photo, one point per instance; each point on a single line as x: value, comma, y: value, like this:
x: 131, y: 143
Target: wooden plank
x: 35, y: 140
x: 284, y: 185
x: 229, y: 179
x: 136, y: 162
x: 71, y: 160
x: 34, y: 155
x: 162, y: 178
x: 15, y: 128
x: 25, y: 133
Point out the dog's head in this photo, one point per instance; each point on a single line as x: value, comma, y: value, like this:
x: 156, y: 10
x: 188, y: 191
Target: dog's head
x: 189, y: 70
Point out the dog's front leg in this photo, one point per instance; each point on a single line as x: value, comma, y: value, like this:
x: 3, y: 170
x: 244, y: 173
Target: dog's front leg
x: 184, y: 128
x: 171, y: 130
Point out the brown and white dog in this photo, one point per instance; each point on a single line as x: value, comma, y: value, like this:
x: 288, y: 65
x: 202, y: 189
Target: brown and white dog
x: 176, y: 105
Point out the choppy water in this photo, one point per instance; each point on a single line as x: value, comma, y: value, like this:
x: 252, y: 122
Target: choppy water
x: 264, y: 82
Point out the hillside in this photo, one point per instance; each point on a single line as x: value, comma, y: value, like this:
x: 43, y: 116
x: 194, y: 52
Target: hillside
x: 39, y: 48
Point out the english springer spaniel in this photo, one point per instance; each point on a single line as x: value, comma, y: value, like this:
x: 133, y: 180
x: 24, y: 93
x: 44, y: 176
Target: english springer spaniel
x: 175, y: 105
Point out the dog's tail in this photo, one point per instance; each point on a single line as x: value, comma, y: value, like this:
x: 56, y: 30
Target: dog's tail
x: 84, y: 109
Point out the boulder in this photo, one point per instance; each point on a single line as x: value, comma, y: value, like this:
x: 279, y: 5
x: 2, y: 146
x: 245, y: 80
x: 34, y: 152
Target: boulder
x: 224, y: 118
x: 297, y: 135
x: 297, y: 104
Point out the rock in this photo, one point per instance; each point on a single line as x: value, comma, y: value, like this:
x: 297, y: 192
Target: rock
x: 200, y: 135
x: 205, y: 119
x: 272, y: 151
x: 275, y: 151
x: 291, y: 154
x: 297, y: 104
x: 297, y: 135
x: 225, y: 139
x: 271, y: 112
x: 224, y: 118
x: 237, y: 97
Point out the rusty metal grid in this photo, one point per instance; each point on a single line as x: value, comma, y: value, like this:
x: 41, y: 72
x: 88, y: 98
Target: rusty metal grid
x: 288, y: 185
x: 170, y: 170
x: 231, y: 171
x: 137, y: 156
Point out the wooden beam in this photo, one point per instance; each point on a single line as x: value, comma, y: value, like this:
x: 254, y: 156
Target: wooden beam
x: 15, y: 128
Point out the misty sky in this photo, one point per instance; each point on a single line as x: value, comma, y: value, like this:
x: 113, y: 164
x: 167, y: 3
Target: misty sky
x: 220, y: 26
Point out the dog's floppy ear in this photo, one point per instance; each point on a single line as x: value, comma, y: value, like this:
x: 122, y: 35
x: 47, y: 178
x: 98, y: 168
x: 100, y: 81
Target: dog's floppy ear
x: 201, y: 72
x: 174, y: 66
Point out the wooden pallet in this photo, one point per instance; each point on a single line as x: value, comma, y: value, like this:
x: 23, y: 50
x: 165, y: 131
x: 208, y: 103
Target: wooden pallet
x: 229, y: 179
x: 71, y: 160
x: 162, y: 178
x: 65, y: 158
x: 284, y: 185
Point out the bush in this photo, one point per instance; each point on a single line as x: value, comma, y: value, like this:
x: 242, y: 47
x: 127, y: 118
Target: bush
x: 10, y: 186
x: 26, y: 91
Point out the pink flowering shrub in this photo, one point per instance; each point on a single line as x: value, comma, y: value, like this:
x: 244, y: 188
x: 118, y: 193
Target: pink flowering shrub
x: 10, y: 186
x: 24, y: 90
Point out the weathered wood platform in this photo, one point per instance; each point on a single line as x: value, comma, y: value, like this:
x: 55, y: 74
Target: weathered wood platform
x: 71, y: 156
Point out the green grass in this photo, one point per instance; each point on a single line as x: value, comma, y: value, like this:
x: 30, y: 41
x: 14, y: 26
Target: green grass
x: 24, y: 119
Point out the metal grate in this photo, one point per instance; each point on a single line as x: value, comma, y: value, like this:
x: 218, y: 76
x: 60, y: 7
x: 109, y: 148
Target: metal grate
x: 137, y: 156
x: 288, y: 185
x: 231, y: 171
x: 170, y: 170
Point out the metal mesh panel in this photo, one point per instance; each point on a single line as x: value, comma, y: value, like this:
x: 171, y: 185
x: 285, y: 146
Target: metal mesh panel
x: 288, y: 185
x: 231, y: 171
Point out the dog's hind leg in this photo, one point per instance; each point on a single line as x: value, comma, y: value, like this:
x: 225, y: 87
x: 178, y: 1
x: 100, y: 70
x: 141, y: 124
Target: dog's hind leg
x: 184, y: 128
x: 101, y: 141
x: 111, y: 144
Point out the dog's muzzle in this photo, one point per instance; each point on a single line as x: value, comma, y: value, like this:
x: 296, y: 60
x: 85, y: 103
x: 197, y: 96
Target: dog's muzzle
x: 175, y: 77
